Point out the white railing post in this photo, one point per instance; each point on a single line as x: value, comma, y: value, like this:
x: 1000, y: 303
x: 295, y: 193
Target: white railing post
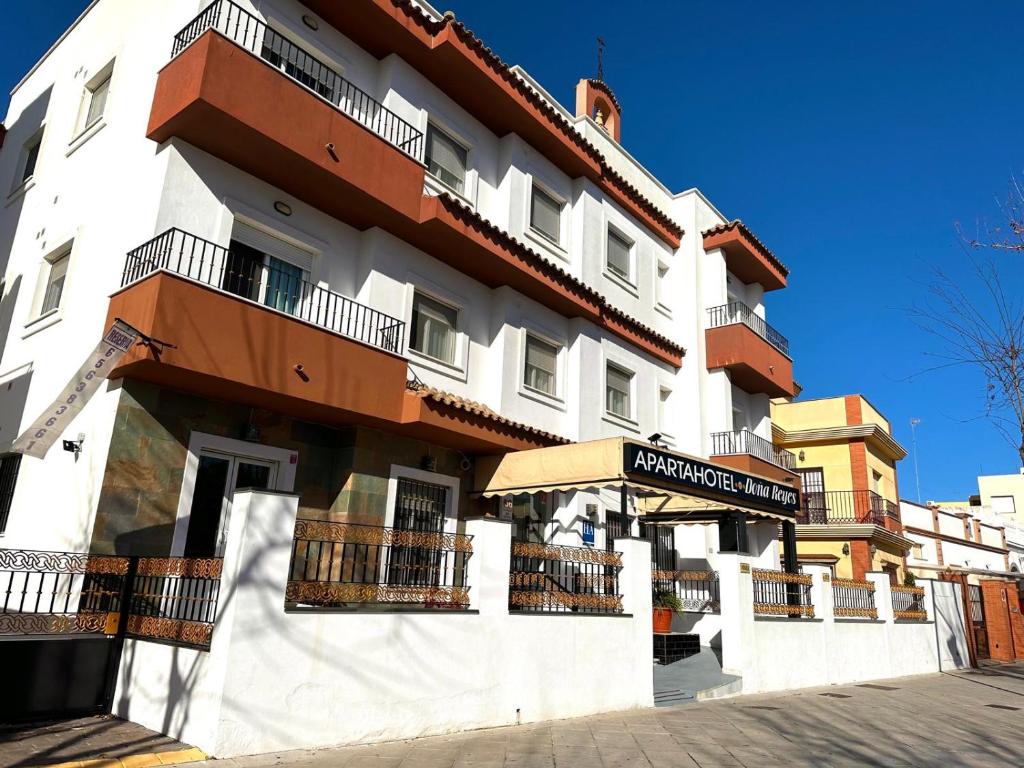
x: 488, y: 568
x: 736, y: 598
x: 635, y: 588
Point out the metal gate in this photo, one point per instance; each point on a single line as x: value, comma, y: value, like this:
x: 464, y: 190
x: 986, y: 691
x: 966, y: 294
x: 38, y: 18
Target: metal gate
x: 64, y: 617
x: 978, y: 620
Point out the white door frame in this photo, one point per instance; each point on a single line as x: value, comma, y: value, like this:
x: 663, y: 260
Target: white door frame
x: 451, y: 521
x: 286, y: 461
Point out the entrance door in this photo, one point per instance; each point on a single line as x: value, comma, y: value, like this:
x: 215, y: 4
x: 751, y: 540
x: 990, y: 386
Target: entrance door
x: 218, y: 477
x: 978, y: 620
x: 813, y: 483
x: 663, y: 548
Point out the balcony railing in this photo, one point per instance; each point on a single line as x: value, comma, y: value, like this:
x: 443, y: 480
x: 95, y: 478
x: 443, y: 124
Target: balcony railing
x: 278, y: 289
x: 777, y: 593
x: 854, y: 599
x: 908, y: 603
x: 174, y: 599
x: 248, y: 32
x: 553, y: 579
x: 837, y: 507
x: 746, y: 442
x: 339, y: 565
x: 696, y: 590
x: 737, y: 312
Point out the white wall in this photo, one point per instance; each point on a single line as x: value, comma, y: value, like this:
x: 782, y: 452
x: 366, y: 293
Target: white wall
x: 317, y: 678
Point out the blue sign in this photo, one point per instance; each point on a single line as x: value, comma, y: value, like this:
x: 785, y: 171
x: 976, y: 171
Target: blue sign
x: 588, y: 533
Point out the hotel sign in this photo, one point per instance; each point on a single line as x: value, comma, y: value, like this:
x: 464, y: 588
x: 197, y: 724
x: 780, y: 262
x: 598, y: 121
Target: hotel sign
x: 704, y: 478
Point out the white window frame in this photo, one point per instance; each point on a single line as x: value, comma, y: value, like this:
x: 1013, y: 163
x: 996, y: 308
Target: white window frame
x: 630, y: 419
x: 436, y: 184
x: 660, y: 286
x: 559, y: 248
x: 628, y: 282
x: 457, y: 368
x: 1013, y: 504
x: 283, y: 248
x: 665, y: 413
x: 199, y: 442
x: 37, y: 319
x: 85, y: 130
x: 21, y: 183
x: 558, y: 398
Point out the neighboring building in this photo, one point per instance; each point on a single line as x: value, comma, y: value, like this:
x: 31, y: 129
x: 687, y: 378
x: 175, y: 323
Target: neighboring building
x: 1003, y: 494
x: 969, y: 545
x: 845, y: 456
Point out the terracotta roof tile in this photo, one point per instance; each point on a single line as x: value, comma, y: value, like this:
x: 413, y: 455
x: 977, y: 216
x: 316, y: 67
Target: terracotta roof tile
x: 761, y: 247
x: 459, y: 208
x: 602, y: 86
x: 478, y: 409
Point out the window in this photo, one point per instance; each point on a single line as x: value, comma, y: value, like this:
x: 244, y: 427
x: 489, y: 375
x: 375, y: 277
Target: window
x: 58, y: 270
x: 446, y: 159
x: 917, y: 551
x: 298, y: 64
x: 876, y: 482
x: 664, y: 393
x: 659, y: 285
x: 434, y: 327
x: 545, y: 214
x: 540, y: 369
x: 258, y: 276
x: 1004, y: 505
x: 9, y: 466
x: 97, y: 98
x: 618, y: 384
x: 29, y: 158
x: 618, y: 255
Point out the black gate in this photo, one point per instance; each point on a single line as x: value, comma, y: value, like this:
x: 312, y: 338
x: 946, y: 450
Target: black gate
x: 64, y: 617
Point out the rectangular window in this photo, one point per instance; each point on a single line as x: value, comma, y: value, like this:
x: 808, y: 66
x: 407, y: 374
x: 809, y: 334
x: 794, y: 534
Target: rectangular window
x: 663, y: 411
x: 434, y: 327
x: 1004, y: 505
x: 446, y: 159
x: 97, y: 97
x: 55, y: 283
x: 31, y: 157
x: 9, y: 466
x: 618, y: 383
x: 545, y: 214
x: 541, y: 362
x: 659, y: 285
x: 618, y: 255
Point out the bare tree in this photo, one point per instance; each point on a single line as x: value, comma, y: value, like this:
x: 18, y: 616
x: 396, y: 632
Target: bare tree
x: 980, y: 320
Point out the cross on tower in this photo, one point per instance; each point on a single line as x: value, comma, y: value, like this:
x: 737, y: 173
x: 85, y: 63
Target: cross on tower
x: 600, y: 59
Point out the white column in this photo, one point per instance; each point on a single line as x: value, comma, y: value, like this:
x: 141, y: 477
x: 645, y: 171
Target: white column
x: 736, y: 592
x: 883, y: 600
x: 824, y: 611
x: 488, y: 568
x: 635, y: 587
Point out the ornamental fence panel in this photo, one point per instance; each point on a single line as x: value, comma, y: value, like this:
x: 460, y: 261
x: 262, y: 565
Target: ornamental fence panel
x: 854, y: 599
x: 777, y: 593
x: 346, y: 565
x: 908, y: 603
x: 696, y: 590
x: 546, y: 578
x: 174, y: 600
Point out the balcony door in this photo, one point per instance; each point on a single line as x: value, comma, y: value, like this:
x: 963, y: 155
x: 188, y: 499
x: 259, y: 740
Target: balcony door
x: 812, y: 482
x: 264, y: 268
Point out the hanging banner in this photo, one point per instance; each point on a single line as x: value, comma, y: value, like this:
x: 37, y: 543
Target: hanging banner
x: 44, y: 432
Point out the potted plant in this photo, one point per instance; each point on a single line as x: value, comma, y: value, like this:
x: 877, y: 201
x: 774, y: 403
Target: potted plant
x: 665, y: 603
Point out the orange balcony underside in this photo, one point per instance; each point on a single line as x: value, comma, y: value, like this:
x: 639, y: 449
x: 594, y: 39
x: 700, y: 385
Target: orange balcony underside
x: 754, y: 365
x: 744, y: 259
x: 227, y: 348
x: 752, y: 464
x: 484, y: 88
x: 227, y: 102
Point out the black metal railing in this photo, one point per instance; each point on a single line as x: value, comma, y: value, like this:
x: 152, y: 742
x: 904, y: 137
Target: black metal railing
x: 837, y: 507
x: 48, y: 593
x: 746, y: 442
x: 777, y: 593
x: 908, y: 603
x: 736, y: 312
x: 696, y: 590
x: 174, y: 599
x: 547, y: 578
x: 278, y: 289
x: 345, y: 564
x: 854, y: 599
x: 248, y: 32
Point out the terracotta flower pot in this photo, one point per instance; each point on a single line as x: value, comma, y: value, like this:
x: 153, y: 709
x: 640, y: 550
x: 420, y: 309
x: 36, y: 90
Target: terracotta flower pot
x: 662, y: 621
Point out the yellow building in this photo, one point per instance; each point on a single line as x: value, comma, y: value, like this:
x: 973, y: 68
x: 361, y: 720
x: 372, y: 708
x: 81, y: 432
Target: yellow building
x: 846, y: 459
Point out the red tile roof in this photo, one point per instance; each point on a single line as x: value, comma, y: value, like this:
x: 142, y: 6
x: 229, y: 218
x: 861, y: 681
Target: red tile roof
x: 761, y: 247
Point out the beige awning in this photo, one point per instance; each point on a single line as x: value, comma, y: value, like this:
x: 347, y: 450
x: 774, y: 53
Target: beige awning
x: 598, y: 464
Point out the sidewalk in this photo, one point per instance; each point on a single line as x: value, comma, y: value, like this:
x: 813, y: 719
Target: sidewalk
x: 90, y: 742
x: 967, y: 719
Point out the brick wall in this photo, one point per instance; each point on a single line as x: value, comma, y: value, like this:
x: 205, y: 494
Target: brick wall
x: 1003, y: 620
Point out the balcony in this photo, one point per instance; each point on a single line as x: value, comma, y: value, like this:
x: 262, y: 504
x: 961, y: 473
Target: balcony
x: 745, y: 443
x: 235, y: 330
x: 846, y: 508
x: 754, y: 353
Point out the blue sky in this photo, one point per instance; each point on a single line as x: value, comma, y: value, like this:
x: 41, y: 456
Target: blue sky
x: 849, y: 136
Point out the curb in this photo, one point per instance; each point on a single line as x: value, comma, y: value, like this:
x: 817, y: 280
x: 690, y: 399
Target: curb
x: 144, y: 760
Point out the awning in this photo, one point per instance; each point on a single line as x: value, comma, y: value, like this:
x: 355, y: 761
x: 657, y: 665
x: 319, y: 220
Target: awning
x: 667, y: 484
